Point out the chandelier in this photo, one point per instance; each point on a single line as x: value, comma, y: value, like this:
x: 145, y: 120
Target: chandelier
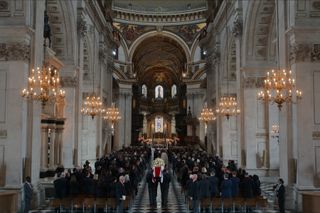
x: 112, y: 114
x: 279, y: 86
x: 207, y: 114
x: 228, y: 105
x: 43, y: 86
x: 92, y: 105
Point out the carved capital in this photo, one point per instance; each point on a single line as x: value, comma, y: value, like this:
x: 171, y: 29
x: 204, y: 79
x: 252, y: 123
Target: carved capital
x: 299, y: 52
x: 82, y: 27
x: 69, y: 81
x: 253, y: 82
x: 14, y: 52
x: 103, y: 53
x: 237, y: 28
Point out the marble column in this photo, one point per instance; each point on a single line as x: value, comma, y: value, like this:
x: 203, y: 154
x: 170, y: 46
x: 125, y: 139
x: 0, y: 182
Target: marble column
x: 44, y: 147
x: 125, y: 102
x: 195, y: 96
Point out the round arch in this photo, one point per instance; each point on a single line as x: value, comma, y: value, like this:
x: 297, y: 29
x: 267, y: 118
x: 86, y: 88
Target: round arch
x: 150, y: 34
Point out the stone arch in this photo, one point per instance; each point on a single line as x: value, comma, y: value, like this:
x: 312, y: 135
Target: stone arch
x: 257, y: 29
x: 179, y: 40
x: 63, y: 29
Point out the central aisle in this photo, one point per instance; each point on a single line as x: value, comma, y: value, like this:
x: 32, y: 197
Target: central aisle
x: 175, y: 200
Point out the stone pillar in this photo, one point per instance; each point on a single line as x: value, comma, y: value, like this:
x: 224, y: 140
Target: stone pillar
x: 58, y: 144
x: 237, y: 33
x: 125, y: 102
x: 195, y: 96
x: 44, y: 147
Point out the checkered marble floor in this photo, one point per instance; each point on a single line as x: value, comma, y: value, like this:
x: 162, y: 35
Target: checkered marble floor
x: 175, y: 200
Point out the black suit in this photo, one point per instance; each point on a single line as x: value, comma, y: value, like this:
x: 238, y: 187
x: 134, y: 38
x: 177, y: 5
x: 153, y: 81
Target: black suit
x: 60, y: 187
x: 281, y: 198
x: 165, y: 188
x: 152, y: 188
x: 28, y: 191
x: 120, y: 191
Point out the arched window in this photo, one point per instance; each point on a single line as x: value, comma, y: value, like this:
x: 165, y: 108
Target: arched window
x: 173, y: 90
x: 159, y: 124
x: 144, y: 91
x: 158, y: 91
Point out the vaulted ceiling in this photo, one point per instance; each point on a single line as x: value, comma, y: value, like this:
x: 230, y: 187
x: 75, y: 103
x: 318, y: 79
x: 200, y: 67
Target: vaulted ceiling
x: 156, y: 55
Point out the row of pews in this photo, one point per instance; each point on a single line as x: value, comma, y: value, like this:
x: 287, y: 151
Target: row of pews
x: 242, y: 204
x: 84, y: 203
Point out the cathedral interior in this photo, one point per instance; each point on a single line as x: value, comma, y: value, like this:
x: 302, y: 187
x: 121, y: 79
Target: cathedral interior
x: 230, y: 78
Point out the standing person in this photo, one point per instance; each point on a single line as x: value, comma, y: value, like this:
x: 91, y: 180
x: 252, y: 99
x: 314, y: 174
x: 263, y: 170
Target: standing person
x: 164, y: 186
x: 28, y: 191
x: 280, y: 191
x: 235, y: 184
x: 226, y: 187
x: 152, y: 188
x: 194, y: 193
x: 120, y: 194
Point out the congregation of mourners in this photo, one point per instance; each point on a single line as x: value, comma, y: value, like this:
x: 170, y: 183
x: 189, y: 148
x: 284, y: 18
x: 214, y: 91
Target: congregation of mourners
x: 115, y: 177
x: 204, y: 176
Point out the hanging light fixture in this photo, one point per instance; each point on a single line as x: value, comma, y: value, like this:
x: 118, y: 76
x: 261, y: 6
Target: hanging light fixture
x: 279, y: 86
x: 207, y: 115
x: 112, y: 114
x: 44, y: 84
x: 92, y: 104
x: 228, y: 105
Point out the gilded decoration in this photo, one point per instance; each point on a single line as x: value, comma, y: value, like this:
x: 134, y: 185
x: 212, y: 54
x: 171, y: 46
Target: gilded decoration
x: 187, y: 32
x: 131, y: 32
x: 14, y: 52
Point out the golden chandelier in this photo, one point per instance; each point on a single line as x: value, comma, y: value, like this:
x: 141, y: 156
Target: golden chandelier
x: 207, y: 114
x: 112, y: 114
x: 228, y: 106
x: 279, y: 88
x: 92, y: 105
x: 44, y: 86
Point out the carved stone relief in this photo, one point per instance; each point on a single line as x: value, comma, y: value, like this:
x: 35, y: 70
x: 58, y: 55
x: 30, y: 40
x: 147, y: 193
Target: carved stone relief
x: 316, y: 5
x: 69, y: 81
x: 237, y: 28
x: 299, y: 52
x: 82, y: 27
x: 315, y: 54
x: 14, y: 52
x: 4, y: 9
x: 253, y: 82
